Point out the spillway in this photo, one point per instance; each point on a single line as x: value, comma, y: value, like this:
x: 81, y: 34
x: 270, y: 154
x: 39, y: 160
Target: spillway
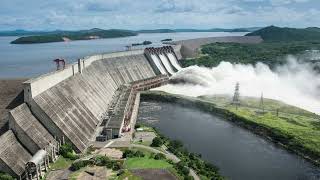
x: 157, y: 62
x: 174, y: 61
x: 166, y: 63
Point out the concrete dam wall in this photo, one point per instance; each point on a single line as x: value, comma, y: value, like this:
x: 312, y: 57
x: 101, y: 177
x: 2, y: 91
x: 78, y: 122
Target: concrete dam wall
x: 89, y: 101
x: 71, y: 105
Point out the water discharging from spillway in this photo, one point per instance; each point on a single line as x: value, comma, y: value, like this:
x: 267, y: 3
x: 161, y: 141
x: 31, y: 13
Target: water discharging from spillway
x: 166, y: 63
x: 237, y: 152
x: 174, y: 61
x: 294, y: 83
x: 157, y: 62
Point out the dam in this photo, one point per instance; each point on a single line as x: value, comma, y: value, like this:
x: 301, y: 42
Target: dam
x: 89, y: 101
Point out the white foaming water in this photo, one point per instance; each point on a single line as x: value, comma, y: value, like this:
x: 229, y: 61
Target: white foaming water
x: 294, y: 83
x: 156, y: 60
x: 174, y: 61
x: 166, y: 63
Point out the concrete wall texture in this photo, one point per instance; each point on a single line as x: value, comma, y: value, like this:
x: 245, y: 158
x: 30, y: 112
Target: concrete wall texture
x: 76, y: 104
x: 13, y: 156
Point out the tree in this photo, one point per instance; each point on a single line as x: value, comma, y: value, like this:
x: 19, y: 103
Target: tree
x: 157, y: 142
x: 175, y: 144
x: 159, y: 156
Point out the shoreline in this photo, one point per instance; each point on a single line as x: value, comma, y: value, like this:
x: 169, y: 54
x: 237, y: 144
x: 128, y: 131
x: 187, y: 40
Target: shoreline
x: 266, y: 133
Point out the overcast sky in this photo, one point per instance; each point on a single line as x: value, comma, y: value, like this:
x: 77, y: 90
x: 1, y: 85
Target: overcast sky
x: 151, y: 14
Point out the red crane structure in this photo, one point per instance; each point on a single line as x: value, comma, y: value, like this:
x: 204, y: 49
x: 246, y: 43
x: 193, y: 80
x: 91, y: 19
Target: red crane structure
x: 60, y: 62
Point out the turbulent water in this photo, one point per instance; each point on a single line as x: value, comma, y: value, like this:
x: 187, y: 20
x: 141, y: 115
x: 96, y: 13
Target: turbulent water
x: 295, y: 83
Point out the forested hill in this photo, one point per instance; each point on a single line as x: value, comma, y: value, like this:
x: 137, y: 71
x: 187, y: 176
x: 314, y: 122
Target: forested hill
x: 60, y: 36
x: 277, y: 34
x: 277, y: 45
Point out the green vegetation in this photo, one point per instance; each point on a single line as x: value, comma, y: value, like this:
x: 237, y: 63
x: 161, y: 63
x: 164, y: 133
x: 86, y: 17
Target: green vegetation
x: 270, y: 105
x: 157, y: 142
x: 131, y: 153
x: 61, y: 163
x: 60, y: 36
x: 278, y: 43
x: 166, y: 40
x: 126, y: 175
x: 182, y: 169
x: 159, y: 156
x: 5, y: 176
x: 296, y: 130
x: 97, y: 161
x: 270, y: 53
x: 277, y: 34
x: 146, y: 163
x: 78, y: 164
x: 67, y: 152
x: 143, y: 43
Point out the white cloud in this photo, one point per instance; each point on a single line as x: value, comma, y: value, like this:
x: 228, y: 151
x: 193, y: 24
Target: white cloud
x: 284, y: 2
x: 128, y: 14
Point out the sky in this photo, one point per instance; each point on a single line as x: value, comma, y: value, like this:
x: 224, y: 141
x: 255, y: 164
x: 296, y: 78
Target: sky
x: 153, y: 14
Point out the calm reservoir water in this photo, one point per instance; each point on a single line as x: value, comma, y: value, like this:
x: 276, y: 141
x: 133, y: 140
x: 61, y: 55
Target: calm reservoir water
x: 28, y: 60
x: 240, y: 154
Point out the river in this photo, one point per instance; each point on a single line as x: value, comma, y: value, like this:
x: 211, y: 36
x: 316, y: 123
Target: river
x: 240, y: 154
x: 29, y: 60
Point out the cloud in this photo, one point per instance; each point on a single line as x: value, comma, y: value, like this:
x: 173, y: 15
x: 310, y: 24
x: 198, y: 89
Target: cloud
x: 128, y: 14
x: 284, y: 2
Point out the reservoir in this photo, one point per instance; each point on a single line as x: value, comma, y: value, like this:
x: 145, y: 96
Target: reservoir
x: 240, y: 154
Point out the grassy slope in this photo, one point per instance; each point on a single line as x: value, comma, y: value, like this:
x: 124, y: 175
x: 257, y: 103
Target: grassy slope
x: 298, y: 129
x: 61, y: 163
x: 146, y: 163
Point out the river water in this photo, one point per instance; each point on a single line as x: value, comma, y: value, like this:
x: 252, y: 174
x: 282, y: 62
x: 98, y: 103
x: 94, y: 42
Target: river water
x: 240, y: 154
x: 28, y: 60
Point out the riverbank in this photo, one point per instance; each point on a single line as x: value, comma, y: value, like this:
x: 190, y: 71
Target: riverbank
x: 301, y: 144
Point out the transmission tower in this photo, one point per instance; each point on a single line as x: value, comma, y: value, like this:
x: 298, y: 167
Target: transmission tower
x: 236, y: 96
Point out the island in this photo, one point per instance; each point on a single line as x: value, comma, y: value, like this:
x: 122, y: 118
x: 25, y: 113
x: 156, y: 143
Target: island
x: 166, y: 40
x: 144, y: 43
x: 60, y: 36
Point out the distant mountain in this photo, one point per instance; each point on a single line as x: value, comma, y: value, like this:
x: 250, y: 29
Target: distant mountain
x: 273, y: 33
x: 199, y: 30
x: 156, y: 31
x: 20, y: 32
x: 59, y: 36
